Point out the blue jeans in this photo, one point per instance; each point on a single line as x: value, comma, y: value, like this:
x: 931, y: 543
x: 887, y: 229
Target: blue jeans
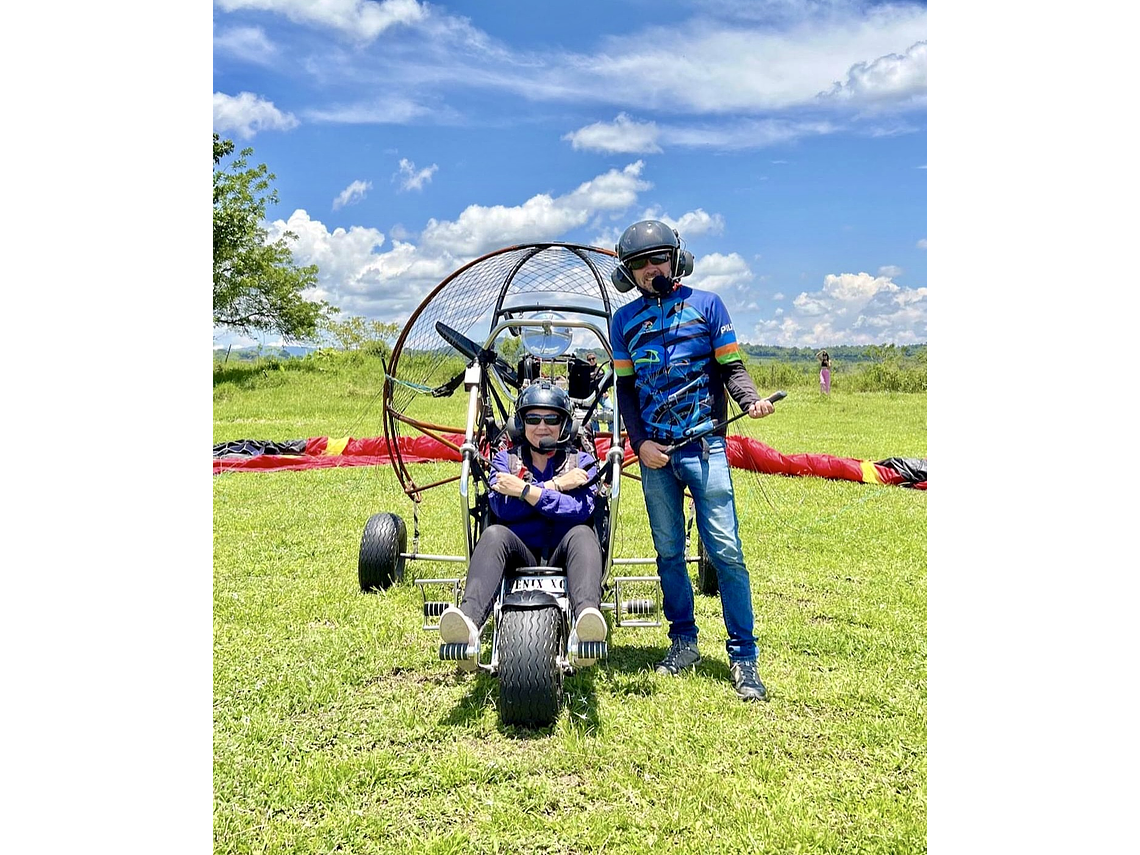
x: 710, y: 483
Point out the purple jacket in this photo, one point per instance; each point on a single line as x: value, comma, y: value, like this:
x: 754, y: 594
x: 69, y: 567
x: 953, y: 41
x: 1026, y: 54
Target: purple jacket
x: 543, y: 526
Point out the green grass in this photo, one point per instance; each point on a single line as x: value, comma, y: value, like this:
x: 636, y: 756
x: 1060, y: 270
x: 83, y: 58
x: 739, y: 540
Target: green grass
x: 336, y: 727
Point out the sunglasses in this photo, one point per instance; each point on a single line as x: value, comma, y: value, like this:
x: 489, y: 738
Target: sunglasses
x: 552, y: 419
x: 638, y: 263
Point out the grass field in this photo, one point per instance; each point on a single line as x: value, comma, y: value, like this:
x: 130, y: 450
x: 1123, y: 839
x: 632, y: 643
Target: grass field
x: 336, y: 728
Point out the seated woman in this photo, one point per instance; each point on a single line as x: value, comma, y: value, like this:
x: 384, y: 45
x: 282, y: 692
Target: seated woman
x: 545, y: 509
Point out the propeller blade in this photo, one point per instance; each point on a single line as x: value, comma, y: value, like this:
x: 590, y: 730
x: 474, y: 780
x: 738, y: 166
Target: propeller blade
x: 473, y: 351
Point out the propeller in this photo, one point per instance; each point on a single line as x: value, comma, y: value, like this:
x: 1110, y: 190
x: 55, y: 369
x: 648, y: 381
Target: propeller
x: 471, y: 350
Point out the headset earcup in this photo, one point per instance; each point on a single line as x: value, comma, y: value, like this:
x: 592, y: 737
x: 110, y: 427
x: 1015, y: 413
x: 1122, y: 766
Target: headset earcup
x: 515, y: 429
x: 684, y: 264
x: 621, y: 279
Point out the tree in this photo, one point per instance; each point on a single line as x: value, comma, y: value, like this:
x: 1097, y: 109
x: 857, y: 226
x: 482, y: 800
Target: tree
x: 510, y: 348
x: 257, y: 286
x: 356, y: 333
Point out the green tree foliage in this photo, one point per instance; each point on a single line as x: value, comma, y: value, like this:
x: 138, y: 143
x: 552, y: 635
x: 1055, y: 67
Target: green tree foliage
x: 373, y: 338
x: 893, y: 369
x: 845, y: 353
x: 510, y: 348
x: 257, y: 286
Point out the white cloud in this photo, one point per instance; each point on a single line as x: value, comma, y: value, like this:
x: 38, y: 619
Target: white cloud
x: 412, y: 179
x: 921, y: 243
x: 358, y: 274
x: 354, y: 274
x: 363, y: 20
x: 696, y: 223
x: 727, y: 275
x: 851, y: 308
x: 728, y: 68
x: 890, y: 79
x: 622, y: 136
x: 246, y: 114
x: 890, y: 271
x: 689, y: 225
x: 247, y: 43
x: 480, y: 229
x: 744, y: 134
x: 386, y: 110
x: 352, y: 194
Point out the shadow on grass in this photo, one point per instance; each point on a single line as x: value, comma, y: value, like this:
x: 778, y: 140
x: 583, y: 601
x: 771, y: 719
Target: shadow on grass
x: 627, y: 672
x: 246, y: 374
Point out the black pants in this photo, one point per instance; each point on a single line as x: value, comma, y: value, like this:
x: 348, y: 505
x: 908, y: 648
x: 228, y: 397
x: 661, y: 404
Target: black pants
x: 499, y: 549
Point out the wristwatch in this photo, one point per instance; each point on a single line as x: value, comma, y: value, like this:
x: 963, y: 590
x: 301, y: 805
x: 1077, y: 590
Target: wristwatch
x: 525, y: 490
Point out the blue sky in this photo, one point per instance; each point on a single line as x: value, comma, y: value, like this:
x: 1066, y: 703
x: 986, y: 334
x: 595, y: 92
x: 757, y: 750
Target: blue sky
x: 786, y: 141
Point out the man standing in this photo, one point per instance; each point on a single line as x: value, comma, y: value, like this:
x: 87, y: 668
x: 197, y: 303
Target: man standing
x: 596, y: 371
x: 675, y: 352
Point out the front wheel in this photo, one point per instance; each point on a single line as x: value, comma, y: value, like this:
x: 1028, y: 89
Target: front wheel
x: 530, y: 678
x: 381, y: 562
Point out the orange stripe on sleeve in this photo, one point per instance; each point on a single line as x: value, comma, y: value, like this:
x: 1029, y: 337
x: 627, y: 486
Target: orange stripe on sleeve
x: 728, y: 352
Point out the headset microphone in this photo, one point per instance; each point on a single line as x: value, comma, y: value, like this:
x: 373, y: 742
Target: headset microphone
x: 547, y: 445
x: 663, y: 285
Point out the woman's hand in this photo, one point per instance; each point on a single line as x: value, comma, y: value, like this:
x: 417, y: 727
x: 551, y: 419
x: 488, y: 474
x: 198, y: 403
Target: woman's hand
x: 509, y: 485
x: 572, y: 480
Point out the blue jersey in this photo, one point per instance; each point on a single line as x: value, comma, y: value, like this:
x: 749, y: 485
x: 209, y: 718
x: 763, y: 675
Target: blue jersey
x: 678, y: 350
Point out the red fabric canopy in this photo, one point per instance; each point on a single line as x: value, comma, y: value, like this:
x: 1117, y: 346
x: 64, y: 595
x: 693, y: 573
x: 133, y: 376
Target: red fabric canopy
x: 743, y: 453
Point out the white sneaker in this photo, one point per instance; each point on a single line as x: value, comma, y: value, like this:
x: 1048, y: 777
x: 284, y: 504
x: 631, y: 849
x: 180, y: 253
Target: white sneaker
x: 590, y: 626
x: 456, y: 628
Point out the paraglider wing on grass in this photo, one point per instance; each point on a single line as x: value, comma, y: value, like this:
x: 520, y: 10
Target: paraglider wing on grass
x: 743, y: 453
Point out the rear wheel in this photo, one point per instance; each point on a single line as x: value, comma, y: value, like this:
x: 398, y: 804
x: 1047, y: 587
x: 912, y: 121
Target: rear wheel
x: 381, y: 562
x: 707, y: 582
x: 530, y: 678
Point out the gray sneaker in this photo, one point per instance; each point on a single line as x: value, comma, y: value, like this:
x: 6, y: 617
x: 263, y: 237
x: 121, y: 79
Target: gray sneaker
x: 747, y: 681
x: 682, y: 655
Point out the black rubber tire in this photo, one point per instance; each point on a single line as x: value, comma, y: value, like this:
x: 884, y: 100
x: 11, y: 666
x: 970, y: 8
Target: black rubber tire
x: 707, y: 582
x: 381, y: 563
x: 530, y: 679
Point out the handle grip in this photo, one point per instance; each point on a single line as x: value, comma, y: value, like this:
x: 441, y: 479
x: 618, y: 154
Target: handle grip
x: 773, y: 398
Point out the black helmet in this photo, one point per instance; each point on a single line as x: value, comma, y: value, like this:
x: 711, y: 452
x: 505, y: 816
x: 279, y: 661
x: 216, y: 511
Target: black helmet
x: 545, y: 395
x: 646, y: 238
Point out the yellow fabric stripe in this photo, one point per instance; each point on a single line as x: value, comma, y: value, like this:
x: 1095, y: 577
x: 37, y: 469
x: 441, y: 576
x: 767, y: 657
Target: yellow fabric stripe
x: 336, y: 446
x: 870, y: 473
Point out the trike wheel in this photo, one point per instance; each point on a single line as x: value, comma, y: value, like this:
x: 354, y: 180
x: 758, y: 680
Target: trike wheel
x: 707, y: 582
x: 530, y: 678
x: 381, y: 563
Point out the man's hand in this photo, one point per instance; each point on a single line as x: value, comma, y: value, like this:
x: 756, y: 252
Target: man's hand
x: 761, y: 408
x: 653, y: 455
